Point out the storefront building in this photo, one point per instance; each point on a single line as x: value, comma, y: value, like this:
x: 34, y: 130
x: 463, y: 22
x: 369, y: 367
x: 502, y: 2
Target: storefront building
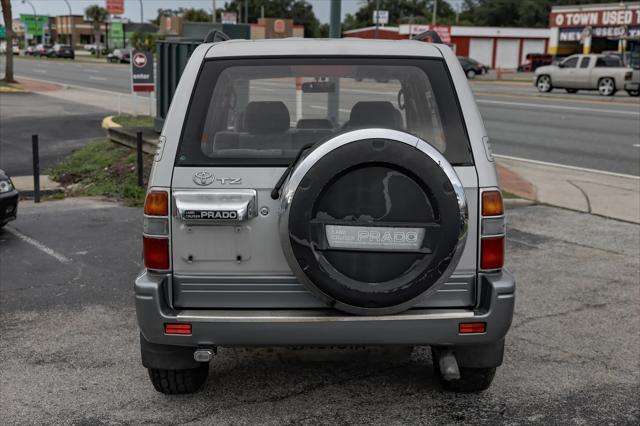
x: 593, y: 28
x: 496, y: 47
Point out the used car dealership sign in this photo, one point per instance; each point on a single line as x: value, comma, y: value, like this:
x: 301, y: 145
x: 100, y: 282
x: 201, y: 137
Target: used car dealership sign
x: 603, y: 18
x: 142, y: 79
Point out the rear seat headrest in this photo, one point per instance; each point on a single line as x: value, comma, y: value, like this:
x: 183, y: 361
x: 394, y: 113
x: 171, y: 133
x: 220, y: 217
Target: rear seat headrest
x: 375, y: 114
x: 266, y: 117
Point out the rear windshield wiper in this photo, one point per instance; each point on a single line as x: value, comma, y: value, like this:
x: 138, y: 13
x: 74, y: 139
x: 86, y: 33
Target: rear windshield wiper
x: 275, y: 193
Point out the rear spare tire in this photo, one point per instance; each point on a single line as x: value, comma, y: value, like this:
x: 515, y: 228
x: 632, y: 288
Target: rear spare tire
x: 373, y: 220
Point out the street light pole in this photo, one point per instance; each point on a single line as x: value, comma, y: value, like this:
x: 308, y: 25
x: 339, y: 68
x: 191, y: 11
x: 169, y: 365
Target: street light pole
x: 377, y: 11
x: 435, y: 12
x: 141, y: 14
x: 72, y: 25
x: 213, y: 14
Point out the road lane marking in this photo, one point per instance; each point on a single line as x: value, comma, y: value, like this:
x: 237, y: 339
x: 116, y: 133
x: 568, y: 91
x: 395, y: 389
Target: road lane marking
x: 93, y: 77
x: 90, y: 70
x: 566, y: 166
x: 637, y: 145
x: 562, y: 107
x: 555, y: 98
x: 37, y: 244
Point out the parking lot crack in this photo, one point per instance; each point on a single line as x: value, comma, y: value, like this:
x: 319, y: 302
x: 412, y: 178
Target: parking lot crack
x: 586, y: 197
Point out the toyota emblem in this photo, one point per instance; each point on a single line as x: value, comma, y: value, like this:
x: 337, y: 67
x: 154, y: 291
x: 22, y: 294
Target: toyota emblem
x: 203, y: 178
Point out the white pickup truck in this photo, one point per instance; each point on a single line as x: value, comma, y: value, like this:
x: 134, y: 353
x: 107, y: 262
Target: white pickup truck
x: 603, y: 73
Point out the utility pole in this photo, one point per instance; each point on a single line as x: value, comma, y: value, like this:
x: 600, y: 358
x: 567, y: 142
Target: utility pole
x: 377, y: 11
x: 435, y: 12
x: 335, y: 31
x: 213, y: 14
x: 141, y: 14
x: 246, y: 11
x: 72, y: 26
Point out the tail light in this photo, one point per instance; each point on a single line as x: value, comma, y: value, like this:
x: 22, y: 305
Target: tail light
x: 155, y: 238
x: 472, y: 327
x: 180, y: 328
x: 492, y: 231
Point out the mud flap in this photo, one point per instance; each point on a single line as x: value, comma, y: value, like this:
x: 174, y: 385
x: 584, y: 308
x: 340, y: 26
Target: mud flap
x: 167, y: 357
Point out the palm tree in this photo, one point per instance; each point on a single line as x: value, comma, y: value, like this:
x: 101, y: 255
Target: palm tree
x: 8, y: 19
x: 97, y: 15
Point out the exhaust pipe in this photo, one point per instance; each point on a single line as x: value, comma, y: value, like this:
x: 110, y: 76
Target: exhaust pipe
x: 448, y: 365
x: 203, y: 354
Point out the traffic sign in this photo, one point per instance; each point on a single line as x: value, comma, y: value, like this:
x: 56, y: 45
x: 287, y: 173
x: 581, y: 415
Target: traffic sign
x: 142, y: 78
x: 381, y: 17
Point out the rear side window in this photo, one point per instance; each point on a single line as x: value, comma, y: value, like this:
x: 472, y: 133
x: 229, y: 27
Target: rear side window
x: 263, y: 111
x: 608, y: 61
x: 584, y: 62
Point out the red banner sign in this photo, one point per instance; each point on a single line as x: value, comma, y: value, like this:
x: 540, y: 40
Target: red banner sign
x: 115, y: 7
x: 596, y: 18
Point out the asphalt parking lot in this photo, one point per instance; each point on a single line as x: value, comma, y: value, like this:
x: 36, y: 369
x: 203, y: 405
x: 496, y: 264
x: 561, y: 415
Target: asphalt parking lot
x: 69, y: 353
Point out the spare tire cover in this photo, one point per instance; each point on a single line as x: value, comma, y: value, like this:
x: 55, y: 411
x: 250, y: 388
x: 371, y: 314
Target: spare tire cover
x: 373, y: 220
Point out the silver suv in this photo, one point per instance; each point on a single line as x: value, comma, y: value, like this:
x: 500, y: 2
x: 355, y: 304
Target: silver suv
x: 323, y: 192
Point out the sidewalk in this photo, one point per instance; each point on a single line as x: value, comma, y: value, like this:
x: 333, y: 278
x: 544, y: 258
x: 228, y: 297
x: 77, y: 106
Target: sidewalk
x: 604, y: 194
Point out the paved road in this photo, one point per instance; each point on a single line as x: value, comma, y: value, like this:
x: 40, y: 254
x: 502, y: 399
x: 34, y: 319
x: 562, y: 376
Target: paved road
x: 110, y: 77
x: 61, y: 125
x: 583, y: 130
x: 69, y: 354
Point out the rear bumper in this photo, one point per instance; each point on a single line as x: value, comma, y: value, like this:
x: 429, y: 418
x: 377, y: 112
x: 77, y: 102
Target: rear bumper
x: 263, y: 327
x: 632, y: 86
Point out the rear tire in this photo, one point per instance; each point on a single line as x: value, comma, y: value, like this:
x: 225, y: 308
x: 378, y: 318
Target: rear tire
x: 633, y: 92
x: 177, y: 382
x: 606, y: 86
x: 471, y: 74
x: 471, y: 379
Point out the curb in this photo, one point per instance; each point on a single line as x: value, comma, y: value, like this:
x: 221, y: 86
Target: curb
x: 12, y: 89
x: 108, y: 123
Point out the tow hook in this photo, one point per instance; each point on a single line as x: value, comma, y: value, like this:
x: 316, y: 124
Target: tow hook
x: 448, y: 365
x: 204, y: 354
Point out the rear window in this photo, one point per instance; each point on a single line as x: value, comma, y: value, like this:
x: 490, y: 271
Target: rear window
x: 263, y: 111
x: 608, y: 61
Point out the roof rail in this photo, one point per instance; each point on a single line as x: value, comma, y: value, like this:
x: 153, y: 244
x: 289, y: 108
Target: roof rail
x: 429, y: 35
x: 215, y: 36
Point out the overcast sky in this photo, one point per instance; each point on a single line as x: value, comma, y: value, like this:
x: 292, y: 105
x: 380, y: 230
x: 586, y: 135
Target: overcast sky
x: 150, y: 7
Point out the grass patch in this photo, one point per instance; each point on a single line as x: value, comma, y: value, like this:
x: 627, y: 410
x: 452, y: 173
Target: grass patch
x: 131, y: 121
x: 103, y: 169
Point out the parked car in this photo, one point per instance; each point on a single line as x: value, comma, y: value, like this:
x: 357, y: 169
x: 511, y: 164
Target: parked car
x: 30, y: 51
x: 15, y: 48
x: 535, y: 61
x: 122, y: 56
x: 348, y: 226
x: 61, y: 51
x: 8, y: 199
x: 94, y: 47
x: 584, y: 72
x: 472, y: 67
x: 42, y: 50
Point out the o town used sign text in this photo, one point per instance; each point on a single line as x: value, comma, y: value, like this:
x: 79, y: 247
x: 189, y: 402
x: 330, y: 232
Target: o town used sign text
x: 600, y: 18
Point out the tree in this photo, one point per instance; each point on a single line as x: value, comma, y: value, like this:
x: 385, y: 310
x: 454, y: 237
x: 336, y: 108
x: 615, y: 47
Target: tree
x: 300, y: 11
x: 8, y: 19
x: 401, y: 12
x: 195, y: 15
x: 144, y: 41
x: 97, y: 15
